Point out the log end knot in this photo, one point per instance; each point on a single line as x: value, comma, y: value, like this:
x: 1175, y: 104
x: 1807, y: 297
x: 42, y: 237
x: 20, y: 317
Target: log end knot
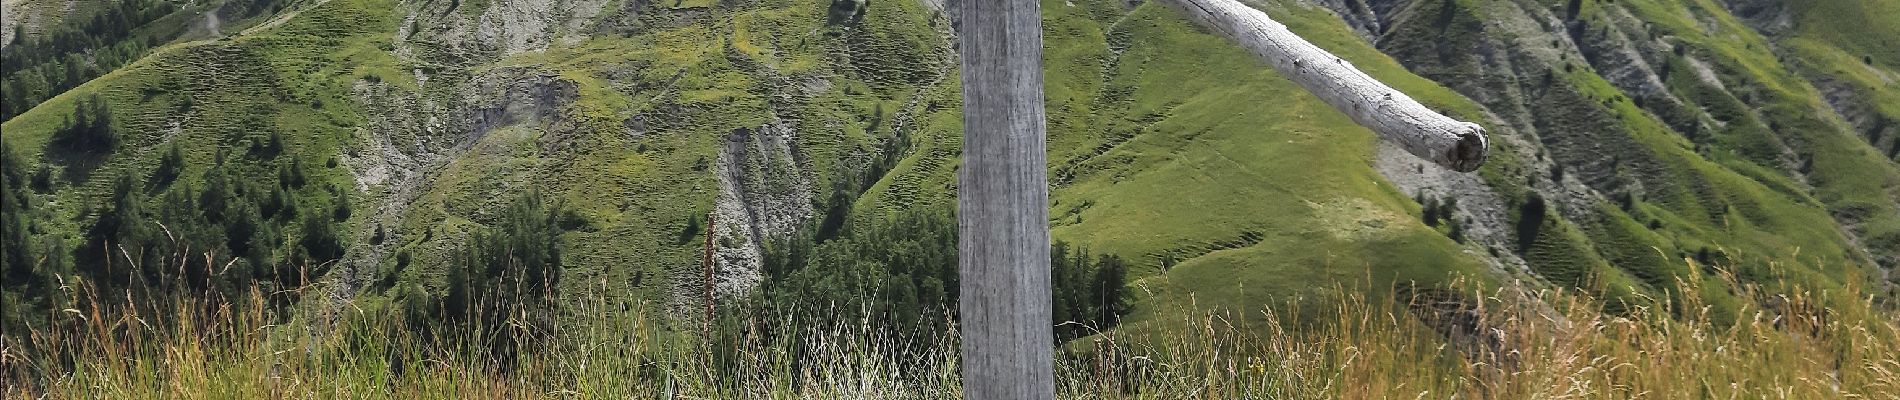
x: 1471, y: 149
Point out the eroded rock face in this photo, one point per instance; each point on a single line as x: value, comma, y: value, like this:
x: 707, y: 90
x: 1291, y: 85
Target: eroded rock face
x: 452, y: 32
x: 1506, y: 64
x: 1512, y: 63
x: 11, y: 15
x: 1368, y: 17
x: 1859, y: 111
x: 513, y: 26
x: 397, y: 156
x: 1625, y: 54
x: 463, y: 93
x: 763, y: 193
x: 1521, y: 60
x: 1770, y: 17
x: 1484, y: 214
x: 517, y: 97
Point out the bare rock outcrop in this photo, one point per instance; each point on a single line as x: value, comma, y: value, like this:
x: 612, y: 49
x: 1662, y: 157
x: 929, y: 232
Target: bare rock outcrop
x: 763, y: 193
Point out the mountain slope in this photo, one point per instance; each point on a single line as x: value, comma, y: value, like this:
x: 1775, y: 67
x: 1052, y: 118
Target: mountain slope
x: 1680, y: 108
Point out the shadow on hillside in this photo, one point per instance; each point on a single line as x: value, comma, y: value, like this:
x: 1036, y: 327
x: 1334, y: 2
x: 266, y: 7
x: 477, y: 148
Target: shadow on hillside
x: 77, y: 161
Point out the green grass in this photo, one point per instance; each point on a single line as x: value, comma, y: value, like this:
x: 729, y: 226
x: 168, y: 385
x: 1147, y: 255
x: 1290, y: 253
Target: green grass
x: 1386, y: 344
x: 1168, y: 144
x: 1217, y: 179
x: 1848, y: 177
x: 1734, y: 192
x: 1857, y: 27
x: 215, y: 94
x: 1234, y: 195
x: 691, y: 85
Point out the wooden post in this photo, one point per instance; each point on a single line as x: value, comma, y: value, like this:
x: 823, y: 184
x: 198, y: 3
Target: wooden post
x: 1003, y: 205
x: 1002, y: 193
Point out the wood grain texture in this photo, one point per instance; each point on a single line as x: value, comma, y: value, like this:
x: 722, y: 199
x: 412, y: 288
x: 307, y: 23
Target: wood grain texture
x: 1003, y: 205
x: 1427, y: 134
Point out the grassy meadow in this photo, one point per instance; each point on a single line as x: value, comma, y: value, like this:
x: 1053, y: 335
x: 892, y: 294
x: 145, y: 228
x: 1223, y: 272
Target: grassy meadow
x: 1719, y: 234
x: 1509, y: 343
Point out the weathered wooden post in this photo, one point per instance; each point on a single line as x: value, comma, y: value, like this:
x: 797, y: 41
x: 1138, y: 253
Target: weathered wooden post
x: 1003, y: 205
x: 1002, y: 193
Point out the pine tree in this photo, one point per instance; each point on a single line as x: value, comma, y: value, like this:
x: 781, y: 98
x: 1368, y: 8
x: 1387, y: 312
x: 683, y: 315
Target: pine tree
x: 1530, y: 219
x: 1060, y: 307
x: 1111, y: 280
x: 296, y: 172
x: 170, y: 165
x: 279, y: 204
x: 43, y: 179
x: 508, y: 270
x: 291, y: 175
x: 1457, y: 232
x: 103, y: 129
x: 456, y: 305
x: 901, y: 299
x: 274, y: 144
x: 340, y: 211
x: 1077, y: 280
x: 20, y: 267
x: 17, y: 266
x: 417, y: 311
x: 246, y: 234
x: 120, y: 231
x: 90, y: 130
x: 319, y: 239
x: 190, y: 232
x: 215, y: 197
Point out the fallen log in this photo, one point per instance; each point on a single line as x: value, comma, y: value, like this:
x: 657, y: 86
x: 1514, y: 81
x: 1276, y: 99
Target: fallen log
x: 1427, y: 134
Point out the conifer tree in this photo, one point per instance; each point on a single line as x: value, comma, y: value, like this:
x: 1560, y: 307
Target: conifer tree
x: 1111, y: 279
x: 90, y: 130
x: 170, y: 165
x: 1530, y: 219
x: 121, y: 230
x: 17, y: 266
x: 319, y: 239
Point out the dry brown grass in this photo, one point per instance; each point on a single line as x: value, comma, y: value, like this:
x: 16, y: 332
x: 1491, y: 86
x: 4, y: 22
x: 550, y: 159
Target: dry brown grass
x: 1510, y: 343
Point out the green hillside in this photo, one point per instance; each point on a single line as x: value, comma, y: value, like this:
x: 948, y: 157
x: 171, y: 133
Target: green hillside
x: 1637, y: 143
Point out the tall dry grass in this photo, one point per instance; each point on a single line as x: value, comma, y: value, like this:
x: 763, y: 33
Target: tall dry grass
x: 1461, y: 342
x: 1508, y: 343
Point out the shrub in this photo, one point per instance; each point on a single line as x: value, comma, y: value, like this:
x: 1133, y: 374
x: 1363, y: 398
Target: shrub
x: 1530, y: 219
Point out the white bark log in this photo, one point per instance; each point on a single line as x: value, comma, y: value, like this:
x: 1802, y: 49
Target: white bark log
x: 1427, y: 134
x: 1003, y: 205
